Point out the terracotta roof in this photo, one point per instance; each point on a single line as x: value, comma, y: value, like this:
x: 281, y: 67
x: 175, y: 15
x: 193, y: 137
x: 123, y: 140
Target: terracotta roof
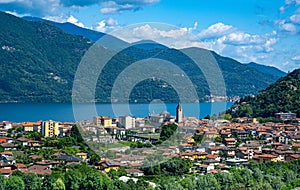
x: 6, y: 171
x: 270, y: 156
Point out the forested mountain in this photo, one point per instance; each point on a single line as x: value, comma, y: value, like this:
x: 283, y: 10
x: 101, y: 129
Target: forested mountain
x: 281, y: 96
x: 267, y: 69
x: 39, y: 61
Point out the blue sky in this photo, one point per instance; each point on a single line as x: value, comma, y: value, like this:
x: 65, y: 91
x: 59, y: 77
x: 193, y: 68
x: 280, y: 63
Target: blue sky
x: 262, y: 31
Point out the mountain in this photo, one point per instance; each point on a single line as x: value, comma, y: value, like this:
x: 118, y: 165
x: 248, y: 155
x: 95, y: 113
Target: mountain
x: 39, y: 61
x: 76, y: 30
x: 281, y: 96
x: 267, y: 69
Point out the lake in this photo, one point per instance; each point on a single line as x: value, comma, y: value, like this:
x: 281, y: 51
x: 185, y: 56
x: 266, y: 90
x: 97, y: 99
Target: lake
x: 18, y: 112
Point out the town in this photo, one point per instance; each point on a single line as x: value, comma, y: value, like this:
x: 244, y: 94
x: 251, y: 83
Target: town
x: 212, y: 145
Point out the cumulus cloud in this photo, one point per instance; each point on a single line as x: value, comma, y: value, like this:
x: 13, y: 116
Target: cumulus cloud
x: 75, y: 21
x: 216, y: 30
x: 286, y: 26
x: 44, y: 8
x: 295, y: 18
x: 106, y: 25
x: 170, y: 36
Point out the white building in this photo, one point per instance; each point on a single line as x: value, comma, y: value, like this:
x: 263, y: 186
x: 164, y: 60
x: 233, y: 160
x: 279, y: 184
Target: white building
x: 127, y: 122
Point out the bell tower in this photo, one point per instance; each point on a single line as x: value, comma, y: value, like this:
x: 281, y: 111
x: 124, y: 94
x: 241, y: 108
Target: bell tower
x: 178, y: 113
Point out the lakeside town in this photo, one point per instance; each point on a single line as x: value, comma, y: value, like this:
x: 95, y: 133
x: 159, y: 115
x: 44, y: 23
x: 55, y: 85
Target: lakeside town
x: 213, y: 145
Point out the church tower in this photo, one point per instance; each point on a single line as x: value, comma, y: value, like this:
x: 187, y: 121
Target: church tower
x: 178, y: 113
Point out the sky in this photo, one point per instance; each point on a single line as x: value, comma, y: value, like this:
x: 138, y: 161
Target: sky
x: 262, y: 31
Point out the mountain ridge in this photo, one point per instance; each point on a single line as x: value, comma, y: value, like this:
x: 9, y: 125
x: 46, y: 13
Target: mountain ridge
x: 39, y: 61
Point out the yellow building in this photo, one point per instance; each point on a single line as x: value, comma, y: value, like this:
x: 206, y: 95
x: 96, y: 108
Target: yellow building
x: 102, y: 121
x: 50, y: 128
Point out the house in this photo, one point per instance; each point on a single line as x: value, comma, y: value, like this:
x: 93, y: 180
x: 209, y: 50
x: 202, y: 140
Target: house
x: 19, y: 167
x: 7, y: 157
x: 292, y: 157
x: 32, y: 126
x: 82, y: 155
x: 6, y: 140
x: 48, y: 163
x: 213, y: 150
x: 134, y: 172
x: 23, y: 141
x: 38, y: 169
x: 205, y: 167
x: 230, y: 142
x: 107, y: 165
x: 8, y: 146
x: 266, y: 158
x: 68, y: 158
x: 3, y: 132
x: 34, y: 144
x: 236, y: 163
x: 6, y: 171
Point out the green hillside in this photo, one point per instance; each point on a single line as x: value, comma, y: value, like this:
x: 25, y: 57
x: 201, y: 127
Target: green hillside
x: 39, y: 61
x: 281, y: 96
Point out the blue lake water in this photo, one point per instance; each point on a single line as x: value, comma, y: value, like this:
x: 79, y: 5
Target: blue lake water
x: 18, y: 112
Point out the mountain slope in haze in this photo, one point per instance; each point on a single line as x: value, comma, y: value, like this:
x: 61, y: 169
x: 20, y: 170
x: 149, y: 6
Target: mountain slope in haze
x: 39, y: 61
x: 267, y: 69
x: 281, y: 96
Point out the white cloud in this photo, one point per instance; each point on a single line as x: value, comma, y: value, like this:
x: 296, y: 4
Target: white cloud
x: 13, y: 13
x: 75, y: 21
x: 165, y: 34
x: 295, y: 18
x: 106, y: 25
x: 58, y: 18
x: 216, y: 30
x: 286, y: 26
x: 296, y: 58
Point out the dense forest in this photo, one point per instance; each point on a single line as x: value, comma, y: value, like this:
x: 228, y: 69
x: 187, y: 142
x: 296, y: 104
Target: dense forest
x: 281, y: 96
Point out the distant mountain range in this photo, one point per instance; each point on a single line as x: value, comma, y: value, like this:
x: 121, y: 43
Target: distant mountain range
x: 281, y: 96
x: 39, y: 59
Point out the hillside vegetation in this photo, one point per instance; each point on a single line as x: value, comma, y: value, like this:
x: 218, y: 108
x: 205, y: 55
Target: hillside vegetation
x: 281, y: 96
x: 39, y: 61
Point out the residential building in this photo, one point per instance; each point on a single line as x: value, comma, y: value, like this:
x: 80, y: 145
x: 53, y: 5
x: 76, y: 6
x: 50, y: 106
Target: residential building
x: 50, y: 128
x: 102, y: 121
x: 127, y: 122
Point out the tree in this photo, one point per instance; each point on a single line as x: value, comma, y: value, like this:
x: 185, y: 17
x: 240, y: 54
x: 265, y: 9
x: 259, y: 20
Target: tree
x: 93, y: 181
x: 226, y: 180
x: 48, y: 182
x: 14, y: 183
x: 73, y: 179
x: 32, y: 182
x: 198, y: 138
x: 2, y: 183
x: 208, y: 182
x: 167, y: 131
x: 59, y: 185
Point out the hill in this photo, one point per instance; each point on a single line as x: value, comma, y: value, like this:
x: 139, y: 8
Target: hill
x: 267, y: 69
x: 39, y: 61
x: 281, y: 96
